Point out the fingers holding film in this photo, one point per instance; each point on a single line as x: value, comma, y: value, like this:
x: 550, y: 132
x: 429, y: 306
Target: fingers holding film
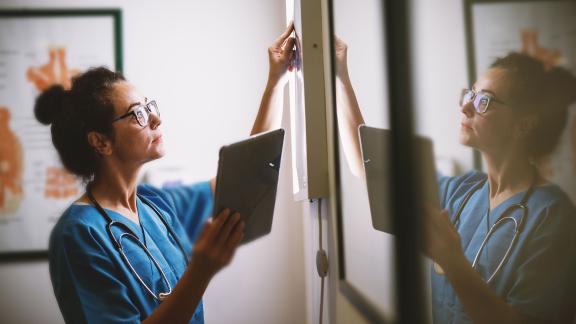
x: 282, y: 38
x: 288, y: 47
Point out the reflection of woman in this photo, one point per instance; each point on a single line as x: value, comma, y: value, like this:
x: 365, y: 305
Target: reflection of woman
x: 513, y: 115
x: 120, y: 253
x: 348, y: 112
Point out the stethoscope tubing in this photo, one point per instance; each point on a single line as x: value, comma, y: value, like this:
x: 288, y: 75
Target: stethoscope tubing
x: 504, y: 217
x: 129, y: 233
x: 507, y: 254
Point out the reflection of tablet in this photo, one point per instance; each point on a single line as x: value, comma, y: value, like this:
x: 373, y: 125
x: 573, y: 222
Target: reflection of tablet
x: 247, y: 180
x: 375, y: 144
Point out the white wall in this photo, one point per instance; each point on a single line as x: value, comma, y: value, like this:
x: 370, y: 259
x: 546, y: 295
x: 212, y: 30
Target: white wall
x: 205, y: 62
x: 368, y: 254
x: 439, y: 73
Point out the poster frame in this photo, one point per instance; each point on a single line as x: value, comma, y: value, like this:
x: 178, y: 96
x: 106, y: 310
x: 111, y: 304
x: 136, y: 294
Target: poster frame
x: 87, y: 13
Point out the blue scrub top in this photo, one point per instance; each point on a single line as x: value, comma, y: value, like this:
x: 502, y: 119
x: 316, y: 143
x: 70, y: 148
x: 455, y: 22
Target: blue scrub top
x: 93, y: 284
x: 539, y: 277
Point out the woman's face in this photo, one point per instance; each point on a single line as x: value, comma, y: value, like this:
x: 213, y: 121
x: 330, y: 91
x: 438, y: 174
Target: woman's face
x: 133, y: 143
x: 493, y: 130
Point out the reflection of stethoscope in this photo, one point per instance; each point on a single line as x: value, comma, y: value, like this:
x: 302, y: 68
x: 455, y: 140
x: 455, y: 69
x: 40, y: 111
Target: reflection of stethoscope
x: 504, y: 217
x: 130, y: 234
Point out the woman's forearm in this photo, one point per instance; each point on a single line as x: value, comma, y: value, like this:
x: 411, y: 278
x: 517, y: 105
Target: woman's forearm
x: 349, y: 118
x: 280, y: 56
x: 180, y: 305
x: 270, y: 112
x: 480, y: 303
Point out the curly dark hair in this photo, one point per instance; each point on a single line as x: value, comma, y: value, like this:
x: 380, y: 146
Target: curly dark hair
x: 547, y: 93
x: 74, y: 113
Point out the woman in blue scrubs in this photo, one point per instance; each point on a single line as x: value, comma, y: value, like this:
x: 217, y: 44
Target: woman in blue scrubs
x: 514, y: 115
x: 120, y: 253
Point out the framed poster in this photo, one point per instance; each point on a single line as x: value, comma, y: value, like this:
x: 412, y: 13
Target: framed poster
x: 40, y: 48
x: 544, y: 29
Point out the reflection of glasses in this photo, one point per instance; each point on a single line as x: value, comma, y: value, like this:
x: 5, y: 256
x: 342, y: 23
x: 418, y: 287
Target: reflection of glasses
x: 142, y: 113
x: 480, y: 100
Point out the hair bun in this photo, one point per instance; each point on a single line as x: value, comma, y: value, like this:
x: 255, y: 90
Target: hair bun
x: 50, y: 104
x: 562, y: 86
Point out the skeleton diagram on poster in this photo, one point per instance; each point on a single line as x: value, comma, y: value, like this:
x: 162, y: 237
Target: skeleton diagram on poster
x: 545, y: 30
x: 37, y: 52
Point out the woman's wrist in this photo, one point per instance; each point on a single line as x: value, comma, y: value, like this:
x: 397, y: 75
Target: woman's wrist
x: 343, y: 78
x: 454, y: 262
x: 198, y: 273
x: 274, y: 83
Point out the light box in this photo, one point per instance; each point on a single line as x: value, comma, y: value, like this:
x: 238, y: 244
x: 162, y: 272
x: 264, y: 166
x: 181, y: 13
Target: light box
x: 308, y: 99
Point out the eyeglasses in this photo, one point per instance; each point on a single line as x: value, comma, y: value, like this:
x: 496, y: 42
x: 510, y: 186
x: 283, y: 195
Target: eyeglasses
x: 142, y: 113
x: 480, y: 100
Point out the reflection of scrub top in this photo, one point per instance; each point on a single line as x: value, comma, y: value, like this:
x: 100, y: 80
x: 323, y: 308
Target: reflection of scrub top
x: 539, y: 277
x: 91, y: 281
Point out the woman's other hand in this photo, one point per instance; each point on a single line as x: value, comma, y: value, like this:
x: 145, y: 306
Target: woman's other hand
x: 213, y: 250
x: 217, y: 243
x: 442, y: 241
x: 281, y: 55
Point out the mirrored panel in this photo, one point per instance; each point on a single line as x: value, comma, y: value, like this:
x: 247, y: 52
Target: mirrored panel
x: 367, y: 254
x: 497, y: 100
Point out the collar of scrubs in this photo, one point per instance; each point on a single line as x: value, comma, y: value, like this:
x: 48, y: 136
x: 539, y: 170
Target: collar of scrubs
x: 116, y: 216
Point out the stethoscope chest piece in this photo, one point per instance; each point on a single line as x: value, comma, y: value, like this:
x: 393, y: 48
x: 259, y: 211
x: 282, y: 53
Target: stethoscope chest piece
x: 163, y: 296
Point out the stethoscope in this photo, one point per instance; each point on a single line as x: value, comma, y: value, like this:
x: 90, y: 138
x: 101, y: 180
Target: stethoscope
x: 504, y: 218
x: 130, y: 234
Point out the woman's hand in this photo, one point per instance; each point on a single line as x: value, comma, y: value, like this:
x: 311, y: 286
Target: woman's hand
x: 281, y: 55
x: 341, y: 51
x: 480, y: 301
x: 213, y: 250
x: 217, y: 243
x: 442, y: 241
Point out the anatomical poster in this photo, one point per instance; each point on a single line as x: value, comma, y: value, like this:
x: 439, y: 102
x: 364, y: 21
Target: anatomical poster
x: 39, y: 49
x: 545, y: 30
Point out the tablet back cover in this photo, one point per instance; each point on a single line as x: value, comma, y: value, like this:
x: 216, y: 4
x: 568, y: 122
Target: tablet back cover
x: 247, y: 181
x: 375, y: 144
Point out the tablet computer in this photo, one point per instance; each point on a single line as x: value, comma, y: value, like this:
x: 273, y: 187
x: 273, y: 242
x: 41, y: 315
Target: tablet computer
x: 247, y: 180
x: 375, y: 147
